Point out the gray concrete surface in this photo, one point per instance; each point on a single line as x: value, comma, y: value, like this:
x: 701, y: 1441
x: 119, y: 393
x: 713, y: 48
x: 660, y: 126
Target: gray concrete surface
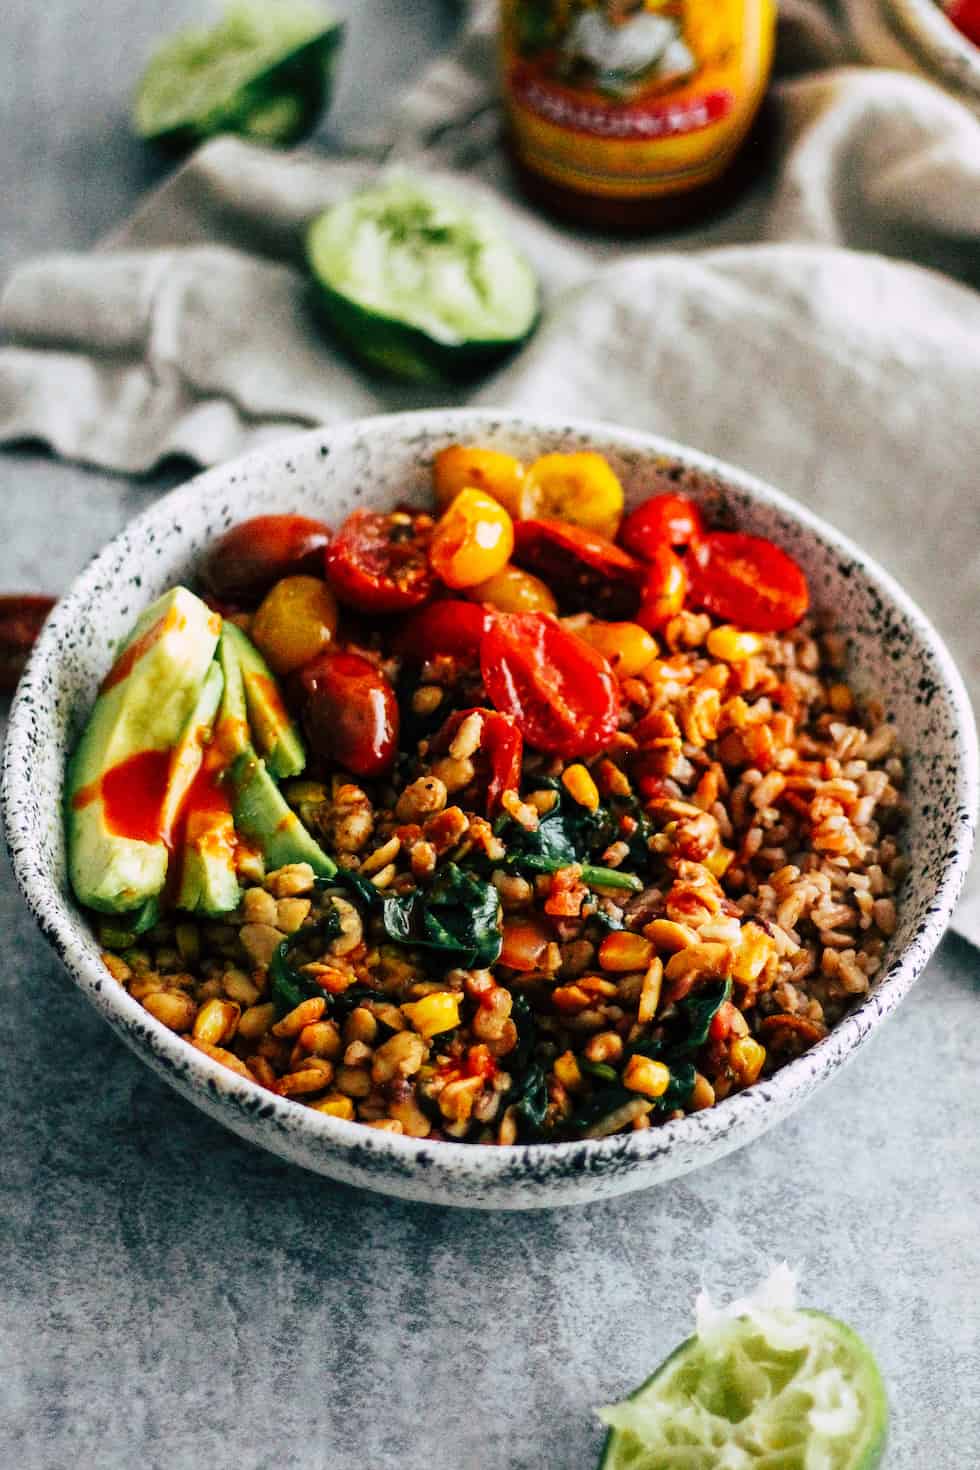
x: 172, y: 1299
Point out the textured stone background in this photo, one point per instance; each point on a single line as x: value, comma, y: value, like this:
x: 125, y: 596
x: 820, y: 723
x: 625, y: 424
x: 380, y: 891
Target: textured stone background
x: 172, y: 1299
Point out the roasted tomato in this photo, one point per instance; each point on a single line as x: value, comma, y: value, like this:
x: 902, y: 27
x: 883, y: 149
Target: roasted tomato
x: 21, y: 620
x: 350, y: 713
x: 296, y: 620
x: 498, y: 759
x: 526, y: 943
x: 663, y: 520
x: 560, y: 690
x: 449, y: 629
x: 748, y: 581
x: 965, y: 15
x: 466, y: 467
x: 513, y: 590
x: 586, y: 571
x: 243, y: 565
x: 582, y: 488
x: 379, y: 563
x: 472, y: 541
x: 664, y: 589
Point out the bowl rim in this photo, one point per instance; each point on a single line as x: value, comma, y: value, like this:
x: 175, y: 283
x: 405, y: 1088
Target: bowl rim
x: 61, y: 923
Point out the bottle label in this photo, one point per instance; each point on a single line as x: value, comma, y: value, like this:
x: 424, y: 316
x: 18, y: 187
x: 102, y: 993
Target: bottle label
x: 634, y: 99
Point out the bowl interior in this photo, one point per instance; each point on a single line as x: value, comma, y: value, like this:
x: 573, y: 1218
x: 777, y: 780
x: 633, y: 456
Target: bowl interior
x: 894, y: 655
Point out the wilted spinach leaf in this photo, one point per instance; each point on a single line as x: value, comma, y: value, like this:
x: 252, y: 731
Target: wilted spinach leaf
x: 459, y: 916
x: 531, y: 1101
x: 289, y: 986
x: 607, y: 1100
x: 695, y: 1014
x: 568, y: 834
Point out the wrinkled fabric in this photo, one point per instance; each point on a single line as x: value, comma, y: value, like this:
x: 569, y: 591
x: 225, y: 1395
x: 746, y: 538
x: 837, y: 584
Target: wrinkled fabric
x: 825, y: 333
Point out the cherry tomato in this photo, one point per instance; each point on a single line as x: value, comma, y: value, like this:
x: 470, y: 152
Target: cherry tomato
x: 296, y: 620
x: 663, y: 520
x: 243, y: 565
x: 472, y: 541
x: 379, y: 563
x: 451, y: 628
x: 21, y: 619
x: 748, y: 581
x: 965, y: 15
x: 512, y: 590
x: 466, y: 467
x: 560, y: 690
x: 498, y: 759
x: 582, y: 488
x: 350, y: 713
x: 586, y: 571
x: 525, y: 944
x: 664, y: 590
x: 628, y: 647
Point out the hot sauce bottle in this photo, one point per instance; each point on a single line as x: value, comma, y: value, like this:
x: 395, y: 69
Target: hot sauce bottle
x: 636, y: 114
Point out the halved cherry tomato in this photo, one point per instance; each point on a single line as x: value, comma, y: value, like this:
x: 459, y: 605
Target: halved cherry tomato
x: 582, y: 488
x: 467, y: 467
x: 560, y: 690
x: 296, y: 620
x: 663, y: 520
x: 514, y: 590
x: 586, y: 571
x: 21, y: 620
x: 747, y: 580
x: 664, y: 589
x: 498, y: 759
x: 473, y: 539
x: 451, y: 628
x: 379, y: 563
x: 965, y: 16
x: 243, y: 565
x: 350, y: 712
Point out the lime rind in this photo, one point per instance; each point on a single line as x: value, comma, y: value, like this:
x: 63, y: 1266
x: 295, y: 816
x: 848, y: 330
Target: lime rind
x: 769, y: 1387
x: 263, y: 71
x: 419, y: 282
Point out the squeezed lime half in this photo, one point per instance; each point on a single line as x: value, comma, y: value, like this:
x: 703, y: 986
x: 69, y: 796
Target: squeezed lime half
x: 263, y: 71
x: 762, y: 1385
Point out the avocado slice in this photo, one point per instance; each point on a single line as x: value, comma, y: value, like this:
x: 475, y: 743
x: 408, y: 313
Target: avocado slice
x: 273, y: 732
x: 117, y: 777
x: 263, y: 818
x: 208, y: 880
x: 188, y: 754
x: 232, y: 735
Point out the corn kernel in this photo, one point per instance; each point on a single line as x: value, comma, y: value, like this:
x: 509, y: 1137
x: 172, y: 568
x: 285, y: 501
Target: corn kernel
x: 702, y: 1094
x: 336, y: 1106
x: 650, y: 994
x: 666, y: 934
x: 754, y: 949
x: 747, y: 1058
x: 732, y: 645
x: 434, y: 1013
x: 644, y: 1074
x: 217, y: 1022
x: 568, y: 1071
x: 580, y: 786
x: 614, y: 781
x: 624, y: 951
x: 719, y: 861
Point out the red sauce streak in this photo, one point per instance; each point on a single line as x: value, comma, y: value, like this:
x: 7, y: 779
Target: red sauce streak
x: 133, y: 794
x: 85, y: 795
x: 124, y: 665
x: 269, y: 693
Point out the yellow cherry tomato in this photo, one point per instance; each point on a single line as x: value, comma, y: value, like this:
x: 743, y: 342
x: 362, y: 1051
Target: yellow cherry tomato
x: 580, y: 488
x: 627, y: 646
x: 511, y: 590
x: 472, y: 541
x: 296, y: 620
x: 467, y: 467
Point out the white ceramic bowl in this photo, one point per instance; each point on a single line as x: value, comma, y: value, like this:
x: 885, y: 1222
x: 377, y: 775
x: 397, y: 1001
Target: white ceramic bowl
x: 895, y: 653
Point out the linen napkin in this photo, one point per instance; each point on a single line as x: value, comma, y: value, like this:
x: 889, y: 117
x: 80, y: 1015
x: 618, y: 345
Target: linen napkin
x: 824, y: 333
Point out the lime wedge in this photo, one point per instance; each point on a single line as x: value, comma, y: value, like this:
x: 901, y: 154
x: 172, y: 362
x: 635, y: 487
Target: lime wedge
x: 762, y: 1385
x: 263, y: 71
x: 419, y: 281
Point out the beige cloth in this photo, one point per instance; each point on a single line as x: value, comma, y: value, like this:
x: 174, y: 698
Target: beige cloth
x: 780, y: 337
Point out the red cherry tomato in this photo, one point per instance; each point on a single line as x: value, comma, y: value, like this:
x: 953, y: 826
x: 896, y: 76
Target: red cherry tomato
x: 242, y: 566
x: 559, y: 689
x: 965, y: 15
x: 21, y: 620
x: 586, y: 572
x: 350, y: 713
x: 453, y: 629
x: 664, y: 589
x: 663, y: 520
x: 379, y: 563
x: 748, y: 581
x: 500, y: 753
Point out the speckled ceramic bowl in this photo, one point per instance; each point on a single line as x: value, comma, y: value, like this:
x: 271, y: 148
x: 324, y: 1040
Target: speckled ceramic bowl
x: 327, y: 473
